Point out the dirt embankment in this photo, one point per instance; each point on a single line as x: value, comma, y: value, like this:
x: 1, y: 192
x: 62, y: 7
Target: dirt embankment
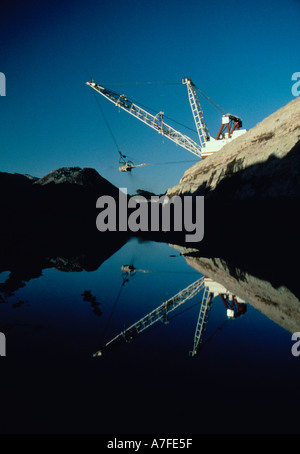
x: 264, y: 162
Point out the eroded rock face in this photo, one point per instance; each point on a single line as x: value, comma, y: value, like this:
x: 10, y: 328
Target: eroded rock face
x: 264, y: 162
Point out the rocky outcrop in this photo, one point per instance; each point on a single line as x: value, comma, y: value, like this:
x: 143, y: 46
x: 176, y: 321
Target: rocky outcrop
x: 28, y: 260
x: 262, y: 163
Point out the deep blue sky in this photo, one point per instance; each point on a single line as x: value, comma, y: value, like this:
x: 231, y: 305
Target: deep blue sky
x: 241, y: 54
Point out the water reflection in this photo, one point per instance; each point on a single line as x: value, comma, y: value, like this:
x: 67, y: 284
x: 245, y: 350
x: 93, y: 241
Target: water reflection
x: 130, y: 270
x: 219, y: 279
x: 87, y: 296
x: 275, y: 300
x: 235, y: 307
x: 159, y: 314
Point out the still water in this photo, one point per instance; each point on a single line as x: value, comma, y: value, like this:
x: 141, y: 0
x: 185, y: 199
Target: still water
x: 243, y: 377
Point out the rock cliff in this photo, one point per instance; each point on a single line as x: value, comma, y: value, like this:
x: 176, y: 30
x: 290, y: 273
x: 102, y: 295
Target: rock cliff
x: 262, y: 163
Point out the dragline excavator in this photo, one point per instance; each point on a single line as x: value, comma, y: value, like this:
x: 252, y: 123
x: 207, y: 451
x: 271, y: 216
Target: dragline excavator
x: 229, y: 130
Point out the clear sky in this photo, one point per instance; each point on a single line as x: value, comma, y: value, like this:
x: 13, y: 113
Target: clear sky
x: 241, y: 54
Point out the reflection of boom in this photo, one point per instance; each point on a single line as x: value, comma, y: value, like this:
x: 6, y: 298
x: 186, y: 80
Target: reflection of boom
x: 235, y: 307
x: 160, y: 313
x: 202, y: 319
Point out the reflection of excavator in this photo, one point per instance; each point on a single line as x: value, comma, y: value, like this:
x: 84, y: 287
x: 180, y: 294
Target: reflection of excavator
x: 159, y: 314
x: 235, y: 307
x: 130, y: 270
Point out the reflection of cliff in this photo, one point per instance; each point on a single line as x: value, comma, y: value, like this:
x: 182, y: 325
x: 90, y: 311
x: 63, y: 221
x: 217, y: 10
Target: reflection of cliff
x: 278, y: 304
x: 28, y: 261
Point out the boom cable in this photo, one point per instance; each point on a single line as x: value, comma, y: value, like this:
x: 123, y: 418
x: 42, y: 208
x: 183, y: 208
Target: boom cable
x: 142, y: 83
x: 213, y: 103
x: 108, y: 126
x: 165, y: 116
x: 204, y: 95
x: 113, y: 309
x: 116, y: 143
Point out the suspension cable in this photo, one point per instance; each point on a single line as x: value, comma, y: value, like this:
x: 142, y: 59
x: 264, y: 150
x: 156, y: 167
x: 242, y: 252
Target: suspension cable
x: 113, y: 309
x: 142, y: 83
x: 163, y: 163
x: 117, y: 146
x: 165, y: 116
x: 204, y: 95
x: 213, y: 103
x: 108, y: 126
x: 115, y: 141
